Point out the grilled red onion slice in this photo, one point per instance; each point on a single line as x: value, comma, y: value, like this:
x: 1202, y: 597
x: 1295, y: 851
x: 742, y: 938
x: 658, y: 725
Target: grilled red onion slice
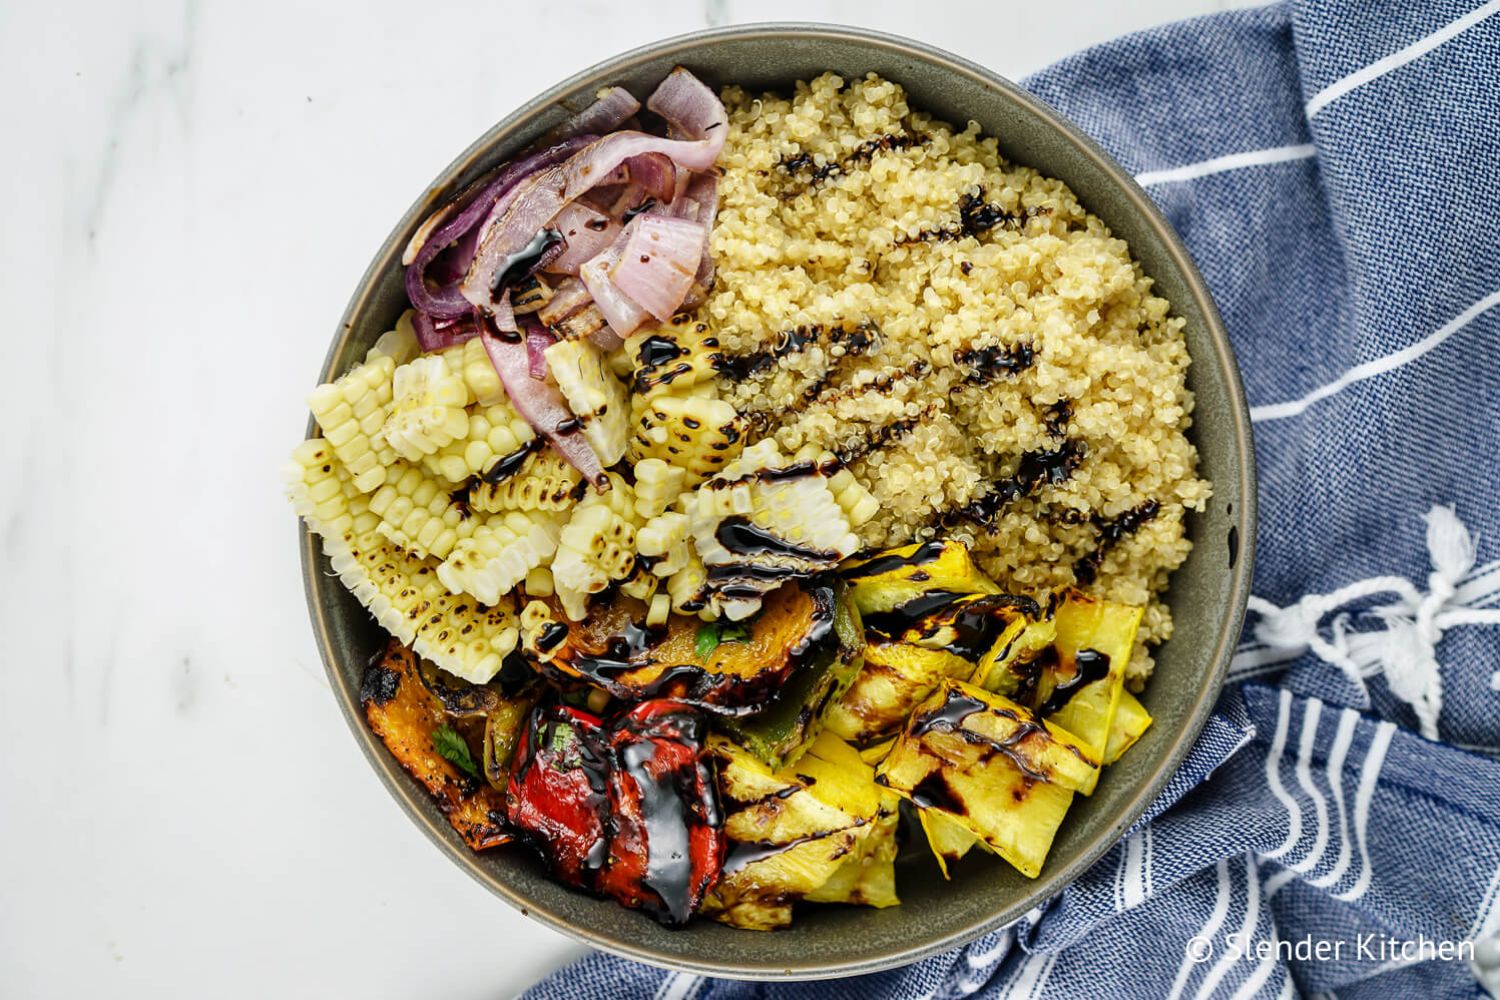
x: 538, y: 339
x: 443, y: 257
x: 689, y: 107
x: 538, y: 401
x: 437, y: 334
x: 658, y: 264
x: 654, y: 174
x: 612, y: 108
x: 623, y: 315
x: 701, y: 204
x: 586, y: 233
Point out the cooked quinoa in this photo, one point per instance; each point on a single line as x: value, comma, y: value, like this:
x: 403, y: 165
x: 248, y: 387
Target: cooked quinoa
x: 989, y: 359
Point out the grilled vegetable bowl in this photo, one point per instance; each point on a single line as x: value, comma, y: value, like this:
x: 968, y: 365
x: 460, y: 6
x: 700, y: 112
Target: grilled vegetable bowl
x: 721, y: 578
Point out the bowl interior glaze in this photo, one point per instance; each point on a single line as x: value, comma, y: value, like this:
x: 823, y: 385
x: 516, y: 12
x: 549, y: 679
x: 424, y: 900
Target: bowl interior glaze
x: 1207, y: 595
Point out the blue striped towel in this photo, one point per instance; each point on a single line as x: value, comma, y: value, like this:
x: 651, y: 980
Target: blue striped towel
x: 1335, y: 169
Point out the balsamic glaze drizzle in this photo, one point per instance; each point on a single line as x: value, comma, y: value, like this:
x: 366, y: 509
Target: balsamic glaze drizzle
x: 507, y: 466
x: 523, y: 260
x: 863, y: 153
x: 1090, y: 665
x: 1053, y: 466
x: 1086, y: 569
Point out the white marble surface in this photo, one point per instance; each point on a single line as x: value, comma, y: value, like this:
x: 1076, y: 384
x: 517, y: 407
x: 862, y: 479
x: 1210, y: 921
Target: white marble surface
x: 190, y: 192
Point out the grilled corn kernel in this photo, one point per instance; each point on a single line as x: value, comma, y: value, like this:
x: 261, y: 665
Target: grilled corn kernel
x: 674, y: 358
x: 597, y: 547
x: 538, y: 582
x: 419, y: 514
x: 657, y: 486
x: 596, y: 397
x: 470, y: 362
x: 696, y: 433
x: 351, y: 411
x: 499, y: 553
x: 493, y: 433
x: 661, y: 607
x: 426, y: 409
x: 401, y: 590
x: 544, y: 482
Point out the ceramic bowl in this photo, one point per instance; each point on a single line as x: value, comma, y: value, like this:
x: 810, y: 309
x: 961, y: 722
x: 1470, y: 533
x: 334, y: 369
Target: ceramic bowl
x: 1207, y: 594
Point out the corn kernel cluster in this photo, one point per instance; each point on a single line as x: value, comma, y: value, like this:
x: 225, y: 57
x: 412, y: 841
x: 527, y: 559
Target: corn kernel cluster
x: 444, y: 513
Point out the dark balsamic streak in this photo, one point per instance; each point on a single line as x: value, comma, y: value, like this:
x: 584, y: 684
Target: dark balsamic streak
x: 1111, y: 533
x: 507, y: 466
x: 987, y: 364
x: 523, y: 260
x: 921, y: 555
x: 863, y: 153
x: 1089, y: 665
x: 1036, y: 468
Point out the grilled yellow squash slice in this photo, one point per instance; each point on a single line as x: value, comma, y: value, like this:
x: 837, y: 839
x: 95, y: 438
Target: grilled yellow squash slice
x: 949, y: 839
x: 1082, y: 691
x: 991, y: 765
x: 1131, y: 720
x: 895, y: 676
x: 899, y: 671
x: 868, y: 876
x: 896, y: 576
x: 791, y: 831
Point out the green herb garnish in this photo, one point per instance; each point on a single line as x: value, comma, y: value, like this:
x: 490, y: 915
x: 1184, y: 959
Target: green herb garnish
x: 708, y: 639
x: 710, y: 634
x: 452, y: 748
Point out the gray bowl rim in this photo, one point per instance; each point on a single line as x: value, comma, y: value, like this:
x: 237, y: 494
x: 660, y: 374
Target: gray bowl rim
x: 1051, y: 883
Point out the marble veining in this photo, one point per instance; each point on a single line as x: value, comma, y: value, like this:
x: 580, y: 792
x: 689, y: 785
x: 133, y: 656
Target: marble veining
x: 190, y: 192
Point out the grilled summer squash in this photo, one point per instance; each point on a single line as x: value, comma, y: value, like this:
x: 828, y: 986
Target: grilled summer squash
x: 1131, y: 722
x: 927, y: 646
x: 899, y: 575
x: 993, y: 767
x: 1080, y: 691
x: 791, y: 832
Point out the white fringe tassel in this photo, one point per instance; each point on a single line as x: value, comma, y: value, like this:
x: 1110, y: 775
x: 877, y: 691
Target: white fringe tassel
x: 1406, y: 650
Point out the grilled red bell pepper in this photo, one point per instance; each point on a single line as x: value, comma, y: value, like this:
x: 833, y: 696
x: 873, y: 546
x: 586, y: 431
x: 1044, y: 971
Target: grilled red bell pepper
x: 557, y: 796
x: 668, y: 843
x: 627, y: 809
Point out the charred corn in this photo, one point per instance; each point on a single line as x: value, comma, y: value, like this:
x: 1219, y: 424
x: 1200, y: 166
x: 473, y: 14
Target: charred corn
x: 470, y: 362
x: 665, y: 543
x: 673, y: 358
x: 538, y: 582
x: 596, y: 397
x: 419, y: 514
x: 686, y: 587
x: 426, y: 409
x: 798, y: 525
x: 596, y: 547
x: 699, y: 434
x: 499, y: 553
x: 657, y: 486
x: 351, y: 411
x: 545, y: 482
x: 857, y: 503
x: 493, y: 433
x: 401, y: 590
